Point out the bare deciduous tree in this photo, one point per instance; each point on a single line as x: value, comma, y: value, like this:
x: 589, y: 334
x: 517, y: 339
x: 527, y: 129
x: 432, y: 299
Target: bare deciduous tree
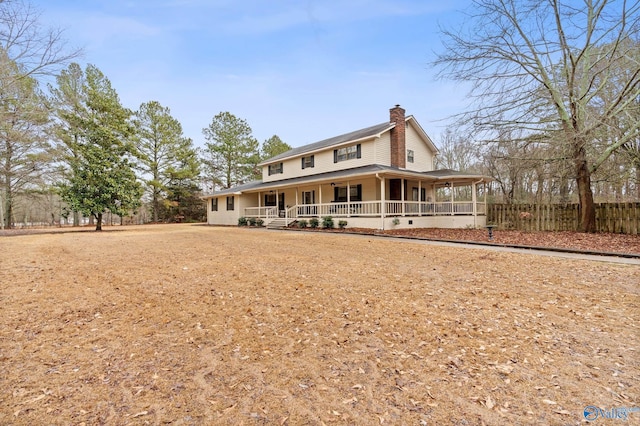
x: 23, y: 146
x: 39, y: 51
x: 539, y: 65
x: 27, y: 52
x: 457, y: 152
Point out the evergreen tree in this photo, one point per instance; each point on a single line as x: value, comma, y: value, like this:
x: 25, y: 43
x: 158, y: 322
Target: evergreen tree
x: 231, y: 153
x: 164, y: 152
x: 273, y: 146
x: 100, y: 175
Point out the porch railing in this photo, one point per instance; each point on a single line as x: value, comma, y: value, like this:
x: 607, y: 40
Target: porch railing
x: 421, y: 208
x: 262, y: 212
x: 371, y: 208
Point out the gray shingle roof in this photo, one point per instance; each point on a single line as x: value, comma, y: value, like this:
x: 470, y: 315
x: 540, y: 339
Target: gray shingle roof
x: 336, y: 140
x: 435, y: 175
x: 449, y: 173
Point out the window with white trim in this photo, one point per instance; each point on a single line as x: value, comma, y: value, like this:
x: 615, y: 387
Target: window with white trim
x: 269, y: 200
x: 307, y: 162
x: 275, y: 169
x: 340, y: 193
x: 409, y: 156
x: 347, y: 153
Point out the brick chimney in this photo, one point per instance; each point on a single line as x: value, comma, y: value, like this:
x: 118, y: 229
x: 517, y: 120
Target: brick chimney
x: 398, y: 146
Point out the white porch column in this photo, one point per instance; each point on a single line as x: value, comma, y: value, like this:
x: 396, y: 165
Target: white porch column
x: 473, y: 201
x: 474, y: 198
x: 486, y: 212
x: 420, y: 198
x: 452, y: 198
x: 319, y: 199
x: 260, y: 204
x: 383, y: 203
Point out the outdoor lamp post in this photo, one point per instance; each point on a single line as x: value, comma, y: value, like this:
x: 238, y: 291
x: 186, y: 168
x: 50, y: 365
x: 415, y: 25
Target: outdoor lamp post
x: 490, y: 229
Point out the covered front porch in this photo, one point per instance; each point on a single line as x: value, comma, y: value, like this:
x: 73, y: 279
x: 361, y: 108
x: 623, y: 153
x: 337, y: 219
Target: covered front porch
x: 379, y: 202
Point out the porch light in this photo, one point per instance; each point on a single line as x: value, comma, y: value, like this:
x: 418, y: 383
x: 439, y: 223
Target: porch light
x: 447, y: 184
x: 333, y: 184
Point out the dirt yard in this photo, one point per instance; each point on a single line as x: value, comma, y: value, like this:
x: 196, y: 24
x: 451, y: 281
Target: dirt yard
x: 195, y: 325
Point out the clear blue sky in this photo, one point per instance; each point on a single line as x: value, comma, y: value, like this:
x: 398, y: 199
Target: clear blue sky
x: 305, y: 70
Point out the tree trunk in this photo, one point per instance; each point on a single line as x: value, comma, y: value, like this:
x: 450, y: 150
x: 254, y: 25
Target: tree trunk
x: 155, y: 206
x: 638, y: 180
x: 8, y: 209
x: 99, y: 222
x: 564, y: 189
x: 585, y: 193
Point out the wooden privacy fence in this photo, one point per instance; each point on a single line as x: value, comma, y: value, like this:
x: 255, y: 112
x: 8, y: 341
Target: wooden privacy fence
x: 622, y: 218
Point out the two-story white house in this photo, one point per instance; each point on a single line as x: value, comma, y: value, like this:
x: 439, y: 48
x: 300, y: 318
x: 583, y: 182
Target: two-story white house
x: 379, y: 177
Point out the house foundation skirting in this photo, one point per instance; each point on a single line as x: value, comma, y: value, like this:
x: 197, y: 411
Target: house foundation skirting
x: 384, y: 215
x: 460, y: 221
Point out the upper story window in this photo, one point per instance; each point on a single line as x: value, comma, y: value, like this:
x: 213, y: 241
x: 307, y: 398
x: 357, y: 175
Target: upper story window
x: 409, y: 156
x: 230, y: 202
x: 347, y: 153
x: 275, y: 169
x: 307, y: 162
x: 214, y: 204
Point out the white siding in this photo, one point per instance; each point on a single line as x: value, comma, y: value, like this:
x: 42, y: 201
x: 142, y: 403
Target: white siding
x: 422, y: 154
x: 223, y: 216
x: 323, y: 162
x: 383, y: 150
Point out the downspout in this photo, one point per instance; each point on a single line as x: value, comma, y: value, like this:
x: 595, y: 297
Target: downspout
x: 382, y: 188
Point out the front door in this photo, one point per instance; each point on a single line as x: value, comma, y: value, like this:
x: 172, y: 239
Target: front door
x: 281, y: 204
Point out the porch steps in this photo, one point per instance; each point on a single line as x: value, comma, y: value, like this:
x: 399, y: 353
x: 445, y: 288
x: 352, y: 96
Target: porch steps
x: 279, y: 223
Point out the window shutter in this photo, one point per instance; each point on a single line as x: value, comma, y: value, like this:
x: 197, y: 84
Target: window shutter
x: 302, y: 163
x: 359, y: 151
x: 313, y: 160
x: 335, y: 155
